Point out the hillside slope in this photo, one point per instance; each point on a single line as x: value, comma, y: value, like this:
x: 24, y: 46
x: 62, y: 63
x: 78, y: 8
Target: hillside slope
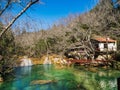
x: 103, y: 20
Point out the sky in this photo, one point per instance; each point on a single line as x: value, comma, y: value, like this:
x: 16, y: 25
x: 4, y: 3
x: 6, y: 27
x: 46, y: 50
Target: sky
x: 46, y: 14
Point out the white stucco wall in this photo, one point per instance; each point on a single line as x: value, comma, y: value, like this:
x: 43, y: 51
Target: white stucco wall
x: 111, y: 46
x: 101, y: 46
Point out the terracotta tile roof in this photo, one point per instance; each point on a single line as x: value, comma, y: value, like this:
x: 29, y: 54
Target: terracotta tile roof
x: 102, y: 39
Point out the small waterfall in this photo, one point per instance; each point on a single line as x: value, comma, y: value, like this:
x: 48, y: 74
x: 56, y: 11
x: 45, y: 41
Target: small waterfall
x: 26, y: 62
x: 47, y: 61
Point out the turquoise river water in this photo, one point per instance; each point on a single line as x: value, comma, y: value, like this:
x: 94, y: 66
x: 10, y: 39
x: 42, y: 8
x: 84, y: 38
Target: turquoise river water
x: 62, y: 79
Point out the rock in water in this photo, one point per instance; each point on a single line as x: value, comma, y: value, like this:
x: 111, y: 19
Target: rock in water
x: 41, y: 82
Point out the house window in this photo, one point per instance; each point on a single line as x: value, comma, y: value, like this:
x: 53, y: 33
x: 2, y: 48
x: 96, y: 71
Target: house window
x: 96, y: 46
x: 105, y: 45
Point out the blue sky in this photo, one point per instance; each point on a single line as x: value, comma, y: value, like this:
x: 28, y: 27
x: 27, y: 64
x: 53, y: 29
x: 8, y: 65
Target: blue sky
x: 52, y: 10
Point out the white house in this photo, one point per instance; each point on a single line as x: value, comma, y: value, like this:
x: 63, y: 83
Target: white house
x: 103, y: 44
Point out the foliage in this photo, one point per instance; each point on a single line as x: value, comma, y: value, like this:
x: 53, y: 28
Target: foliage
x: 117, y: 56
x: 40, y: 47
x: 84, y: 26
x: 72, y: 39
x: 48, y: 45
x: 7, y: 50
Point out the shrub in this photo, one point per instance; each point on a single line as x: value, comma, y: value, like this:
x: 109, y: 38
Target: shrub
x: 7, y: 51
x: 117, y: 56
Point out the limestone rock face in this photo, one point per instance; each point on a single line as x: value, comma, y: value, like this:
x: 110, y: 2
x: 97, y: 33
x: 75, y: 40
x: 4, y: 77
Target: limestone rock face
x: 51, y: 59
x: 47, y: 61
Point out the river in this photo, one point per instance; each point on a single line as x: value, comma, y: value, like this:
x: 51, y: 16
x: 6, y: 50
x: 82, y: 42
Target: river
x: 62, y: 79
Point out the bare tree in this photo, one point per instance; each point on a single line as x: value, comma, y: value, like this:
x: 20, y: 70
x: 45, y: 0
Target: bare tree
x: 29, y: 4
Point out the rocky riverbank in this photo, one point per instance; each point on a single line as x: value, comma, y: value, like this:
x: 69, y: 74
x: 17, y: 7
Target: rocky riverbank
x: 51, y: 59
x: 54, y: 59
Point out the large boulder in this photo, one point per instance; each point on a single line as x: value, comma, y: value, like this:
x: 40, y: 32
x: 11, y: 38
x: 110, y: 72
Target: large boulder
x: 100, y: 57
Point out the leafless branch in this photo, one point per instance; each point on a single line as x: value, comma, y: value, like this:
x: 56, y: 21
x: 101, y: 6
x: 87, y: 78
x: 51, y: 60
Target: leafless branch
x: 14, y: 19
x: 6, y: 6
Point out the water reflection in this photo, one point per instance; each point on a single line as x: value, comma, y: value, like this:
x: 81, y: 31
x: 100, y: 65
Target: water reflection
x: 47, y: 67
x: 63, y: 79
x: 26, y: 70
